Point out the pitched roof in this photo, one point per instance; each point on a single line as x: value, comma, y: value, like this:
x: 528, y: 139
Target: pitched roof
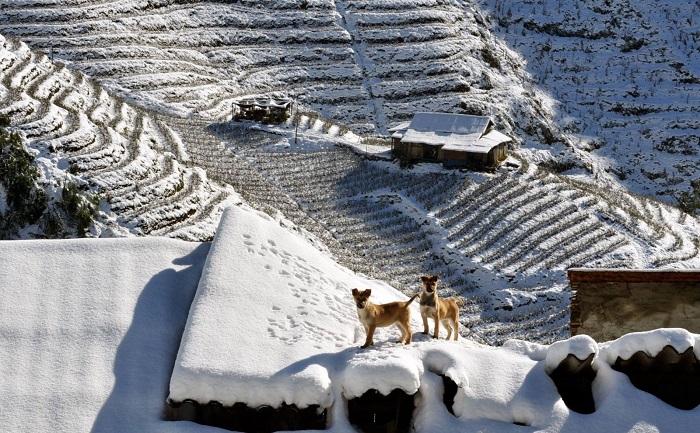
x: 264, y: 102
x: 451, y: 131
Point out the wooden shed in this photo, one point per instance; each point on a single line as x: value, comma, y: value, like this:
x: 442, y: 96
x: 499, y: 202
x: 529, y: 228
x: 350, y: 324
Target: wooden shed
x: 273, y: 110
x: 455, y: 140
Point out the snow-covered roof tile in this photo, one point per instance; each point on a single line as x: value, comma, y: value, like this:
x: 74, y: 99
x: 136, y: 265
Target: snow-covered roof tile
x: 453, y: 132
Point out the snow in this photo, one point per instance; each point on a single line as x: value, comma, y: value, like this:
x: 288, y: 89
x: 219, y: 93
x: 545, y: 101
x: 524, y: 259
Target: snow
x: 90, y: 330
x: 290, y: 292
x: 366, y: 73
x: 265, y: 286
x: 581, y: 346
x: 651, y: 343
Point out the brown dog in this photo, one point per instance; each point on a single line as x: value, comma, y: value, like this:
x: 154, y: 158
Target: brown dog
x: 443, y: 311
x: 382, y: 315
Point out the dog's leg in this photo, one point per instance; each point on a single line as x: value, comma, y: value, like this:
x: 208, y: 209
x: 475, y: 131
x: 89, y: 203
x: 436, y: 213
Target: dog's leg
x: 455, y: 324
x: 370, y: 337
x: 448, y: 326
x: 436, y: 319
x: 404, y: 334
x: 409, y: 334
x: 424, y: 315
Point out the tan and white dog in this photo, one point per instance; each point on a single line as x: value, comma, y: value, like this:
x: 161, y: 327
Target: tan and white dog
x: 381, y: 315
x: 442, y: 311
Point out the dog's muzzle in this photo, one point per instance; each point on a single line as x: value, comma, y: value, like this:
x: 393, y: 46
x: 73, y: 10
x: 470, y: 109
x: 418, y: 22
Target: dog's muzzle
x: 361, y: 305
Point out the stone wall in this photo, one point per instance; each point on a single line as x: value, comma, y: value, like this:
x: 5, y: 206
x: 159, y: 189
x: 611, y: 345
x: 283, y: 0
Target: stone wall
x: 607, y: 304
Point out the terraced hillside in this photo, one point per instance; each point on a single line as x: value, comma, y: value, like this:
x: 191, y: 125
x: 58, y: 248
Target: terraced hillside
x: 135, y: 102
x: 364, y: 63
x: 503, y: 241
x: 126, y: 154
x: 626, y: 74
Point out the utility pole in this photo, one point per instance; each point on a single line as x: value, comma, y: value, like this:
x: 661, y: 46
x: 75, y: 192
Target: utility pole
x: 296, y: 120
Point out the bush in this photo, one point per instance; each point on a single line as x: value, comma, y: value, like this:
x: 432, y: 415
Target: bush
x: 27, y: 202
x: 80, y: 209
x: 689, y: 201
x: 18, y: 175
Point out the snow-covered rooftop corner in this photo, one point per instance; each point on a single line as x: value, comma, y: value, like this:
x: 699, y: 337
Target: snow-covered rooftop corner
x: 272, y: 318
x: 89, y: 330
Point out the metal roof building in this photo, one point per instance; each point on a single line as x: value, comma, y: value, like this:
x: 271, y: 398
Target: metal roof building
x: 456, y: 140
x: 262, y: 109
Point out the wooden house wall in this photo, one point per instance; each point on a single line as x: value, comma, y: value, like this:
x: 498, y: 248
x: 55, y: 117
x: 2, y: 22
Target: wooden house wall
x: 449, y: 158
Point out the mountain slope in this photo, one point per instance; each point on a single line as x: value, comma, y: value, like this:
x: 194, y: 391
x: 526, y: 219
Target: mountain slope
x: 364, y: 63
x: 124, y: 153
x: 150, y: 133
x: 626, y: 78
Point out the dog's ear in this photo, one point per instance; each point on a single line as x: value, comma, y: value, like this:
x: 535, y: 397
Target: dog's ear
x: 434, y: 278
x: 354, y: 292
x: 368, y: 292
x: 423, y: 278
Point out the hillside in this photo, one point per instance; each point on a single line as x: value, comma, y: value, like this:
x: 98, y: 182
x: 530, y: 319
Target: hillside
x: 625, y: 75
x: 363, y: 63
x: 132, y: 99
x: 126, y: 154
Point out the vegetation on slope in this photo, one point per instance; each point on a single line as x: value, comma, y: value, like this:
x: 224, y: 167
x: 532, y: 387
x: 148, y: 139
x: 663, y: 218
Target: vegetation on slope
x: 26, y: 202
x: 109, y: 148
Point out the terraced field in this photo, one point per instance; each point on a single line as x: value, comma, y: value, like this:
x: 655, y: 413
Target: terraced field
x: 131, y: 99
x: 126, y: 154
x: 367, y: 64
x: 502, y: 241
x: 626, y: 73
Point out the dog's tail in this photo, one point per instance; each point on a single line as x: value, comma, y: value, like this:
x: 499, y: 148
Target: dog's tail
x: 411, y: 300
x: 459, y: 301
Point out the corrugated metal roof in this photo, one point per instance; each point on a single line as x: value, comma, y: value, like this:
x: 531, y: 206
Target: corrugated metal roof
x: 263, y: 102
x: 451, y: 131
x: 450, y: 123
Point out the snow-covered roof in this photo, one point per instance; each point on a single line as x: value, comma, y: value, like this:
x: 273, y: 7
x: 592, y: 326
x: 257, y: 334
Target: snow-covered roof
x: 451, y: 131
x: 90, y: 329
x: 268, y: 289
x: 264, y: 102
x: 403, y: 126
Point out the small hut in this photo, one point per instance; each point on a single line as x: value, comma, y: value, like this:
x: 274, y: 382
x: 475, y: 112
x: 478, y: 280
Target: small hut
x: 455, y: 140
x: 272, y: 110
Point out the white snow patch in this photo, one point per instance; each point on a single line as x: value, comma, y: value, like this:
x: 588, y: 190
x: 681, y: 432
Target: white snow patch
x: 581, y: 346
x: 649, y: 342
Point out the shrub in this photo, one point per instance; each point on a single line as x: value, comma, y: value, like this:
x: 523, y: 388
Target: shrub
x: 18, y: 176
x: 27, y: 202
x: 80, y: 208
x: 689, y: 201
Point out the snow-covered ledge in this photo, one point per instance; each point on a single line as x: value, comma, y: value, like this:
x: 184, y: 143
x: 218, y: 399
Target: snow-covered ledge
x: 273, y: 317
